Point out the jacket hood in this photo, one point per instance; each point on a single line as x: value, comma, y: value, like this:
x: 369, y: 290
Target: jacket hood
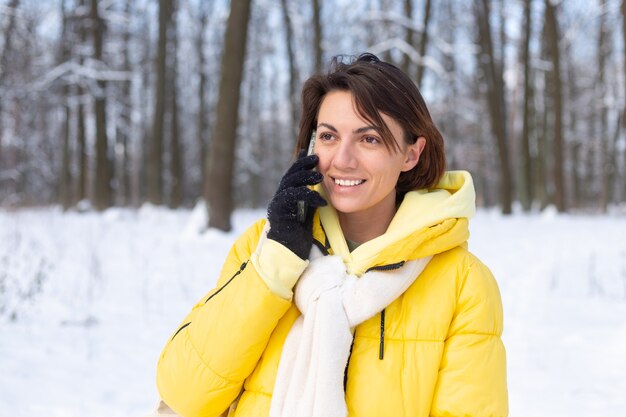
x: 427, y: 222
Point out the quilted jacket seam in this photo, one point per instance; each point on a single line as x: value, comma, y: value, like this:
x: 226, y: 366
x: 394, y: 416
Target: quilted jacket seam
x: 197, y: 352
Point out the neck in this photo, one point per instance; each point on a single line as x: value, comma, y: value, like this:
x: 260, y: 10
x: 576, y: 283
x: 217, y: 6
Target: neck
x: 366, y: 225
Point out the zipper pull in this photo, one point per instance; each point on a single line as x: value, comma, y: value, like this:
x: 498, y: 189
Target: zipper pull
x: 381, y: 350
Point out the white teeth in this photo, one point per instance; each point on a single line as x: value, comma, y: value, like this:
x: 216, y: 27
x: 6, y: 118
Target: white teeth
x: 348, y: 183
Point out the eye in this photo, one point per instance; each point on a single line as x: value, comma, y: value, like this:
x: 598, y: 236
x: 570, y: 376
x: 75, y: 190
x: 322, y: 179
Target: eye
x: 371, y: 140
x: 325, y: 136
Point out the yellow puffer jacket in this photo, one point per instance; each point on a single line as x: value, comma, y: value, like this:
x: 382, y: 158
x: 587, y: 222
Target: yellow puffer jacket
x: 435, y: 351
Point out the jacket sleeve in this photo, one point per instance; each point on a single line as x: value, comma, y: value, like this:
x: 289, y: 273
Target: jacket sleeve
x: 472, y: 373
x: 204, y: 364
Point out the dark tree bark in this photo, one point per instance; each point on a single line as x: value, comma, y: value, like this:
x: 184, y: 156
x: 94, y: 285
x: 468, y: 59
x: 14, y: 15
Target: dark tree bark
x: 222, y: 150
x: 553, y: 36
x: 601, y: 90
x: 141, y: 173
x: 203, y: 133
x: 294, y: 99
x: 102, y: 191
x: 405, y: 64
x: 608, y: 142
x: 5, y: 57
x: 82, y: 192
x: 65, y: 177
x: 81, y: 137
x: 543, y: 152
x: 317, y: 36
x: 176, y: 165
x: 419, y: 74
x: 123, y: 193
x: 7, y: 48
x: 589, y: 193
x: 576, y: 142
x: 449, y: 122
x: 155, y: 159
x: 611, y: 177
x: 624, y: 116
x: 493, y: 71
x: 525, y: 183
x: 624, y: 44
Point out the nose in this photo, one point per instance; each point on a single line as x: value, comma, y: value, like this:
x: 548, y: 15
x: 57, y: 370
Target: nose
x: 345, y: 157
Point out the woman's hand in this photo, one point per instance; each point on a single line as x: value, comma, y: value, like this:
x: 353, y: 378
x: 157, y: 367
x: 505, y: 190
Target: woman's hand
x: 282, y: 211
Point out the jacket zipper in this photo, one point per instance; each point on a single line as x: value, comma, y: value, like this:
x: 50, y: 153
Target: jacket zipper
x: 322, y: 247
x: 390, y: 267
x: 179, y: 329
x: 381, y: 349
x: 241, y: 268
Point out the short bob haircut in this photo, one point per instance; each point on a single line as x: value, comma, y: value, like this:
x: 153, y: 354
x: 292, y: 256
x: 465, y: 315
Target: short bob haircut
x: 379, y: 87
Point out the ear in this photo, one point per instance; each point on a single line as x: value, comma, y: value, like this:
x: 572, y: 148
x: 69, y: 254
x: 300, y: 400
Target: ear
x: 412, y: 154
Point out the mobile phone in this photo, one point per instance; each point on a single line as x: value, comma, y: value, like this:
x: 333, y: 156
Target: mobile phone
x: 311, y: 143
x: 302, y: 208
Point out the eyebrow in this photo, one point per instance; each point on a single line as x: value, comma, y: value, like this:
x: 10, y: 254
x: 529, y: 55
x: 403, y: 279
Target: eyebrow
x: 359, y: 130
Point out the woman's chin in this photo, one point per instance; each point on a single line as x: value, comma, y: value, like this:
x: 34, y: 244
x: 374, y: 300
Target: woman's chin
x: 346, y: 207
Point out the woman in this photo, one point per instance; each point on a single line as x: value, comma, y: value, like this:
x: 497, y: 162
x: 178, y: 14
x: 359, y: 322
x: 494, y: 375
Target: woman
x: 369, y: 306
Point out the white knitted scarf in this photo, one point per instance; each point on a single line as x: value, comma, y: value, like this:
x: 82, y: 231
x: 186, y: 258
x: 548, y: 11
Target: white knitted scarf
x: 311, y: 369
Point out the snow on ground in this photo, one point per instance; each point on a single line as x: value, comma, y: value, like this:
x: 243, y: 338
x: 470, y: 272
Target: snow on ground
x: 87, y: 301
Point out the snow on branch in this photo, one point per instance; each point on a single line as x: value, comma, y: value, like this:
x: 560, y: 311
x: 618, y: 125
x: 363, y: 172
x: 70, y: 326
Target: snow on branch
x: 402, y: 20
x: 413, y: 55
x: 87, y: 71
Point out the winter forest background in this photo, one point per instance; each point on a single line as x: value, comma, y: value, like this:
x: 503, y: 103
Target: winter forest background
x: 119, y: 119
x: 116, y: 102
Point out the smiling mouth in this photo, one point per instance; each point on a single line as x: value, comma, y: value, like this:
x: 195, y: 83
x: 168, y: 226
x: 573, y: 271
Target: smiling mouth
x: 348, y: 183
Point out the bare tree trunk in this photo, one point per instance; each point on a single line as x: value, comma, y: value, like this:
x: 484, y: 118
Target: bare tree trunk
x: 202, y: 137
x: 495, y: 100
x: 607, y: 147
x: 65, y: 180
x: 4, y: 60
x: 155, y: 159
x: 624, y: 117
x: 553, y: 36
x: 82, y: 192
x: 449, y: 123
x: 590, y: 164
x: 600, y: 91
x: 423, y: 43
x: 612, y: 162
x: 405, y: 64
x: 65, y: 177
x: 525, y: 183
x: 294, y: 100
x: 543, y: 152
x: 317, y: 36
x: 576, y: 145
x: 177, y: 174
x: 222, y: 150
x: 624, y: 45
x: 103, y: 192
x: 142, y: 174
x: 81, y: 137
x: 124, y: 125
x: 253, y: 130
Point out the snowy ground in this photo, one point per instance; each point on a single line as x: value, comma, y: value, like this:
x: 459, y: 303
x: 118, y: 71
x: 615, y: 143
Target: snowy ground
x: 87, y: 302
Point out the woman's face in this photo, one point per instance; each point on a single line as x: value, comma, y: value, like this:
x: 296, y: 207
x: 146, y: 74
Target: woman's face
x: 360, y: 173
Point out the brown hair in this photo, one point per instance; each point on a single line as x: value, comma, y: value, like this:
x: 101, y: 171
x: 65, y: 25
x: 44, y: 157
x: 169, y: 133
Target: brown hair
x: 379, y: 87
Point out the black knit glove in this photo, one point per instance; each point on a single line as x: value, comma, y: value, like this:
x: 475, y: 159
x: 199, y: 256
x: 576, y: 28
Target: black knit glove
x: 282, y: 211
